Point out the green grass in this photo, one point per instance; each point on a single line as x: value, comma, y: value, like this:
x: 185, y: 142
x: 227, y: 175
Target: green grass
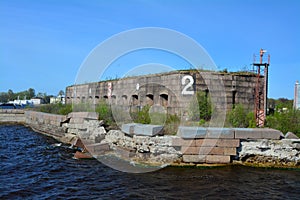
x: 61, y: 109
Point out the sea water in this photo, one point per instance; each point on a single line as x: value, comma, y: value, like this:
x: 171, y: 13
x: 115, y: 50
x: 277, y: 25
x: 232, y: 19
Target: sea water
x: 33, y: 166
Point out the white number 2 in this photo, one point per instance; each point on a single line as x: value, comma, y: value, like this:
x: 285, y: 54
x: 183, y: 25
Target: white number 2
x: 188, y: 85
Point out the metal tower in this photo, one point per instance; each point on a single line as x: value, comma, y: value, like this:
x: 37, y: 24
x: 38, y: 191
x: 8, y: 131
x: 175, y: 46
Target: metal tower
x: 261, y: 89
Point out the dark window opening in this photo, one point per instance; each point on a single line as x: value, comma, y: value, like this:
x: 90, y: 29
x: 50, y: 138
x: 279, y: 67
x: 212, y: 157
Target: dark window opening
x: 113, y: 99
x: 164, y: 100
x: 124, y: 100
x: 206, y: 93
x: 149, y: 99
x: 233, y: 99
x: 135, y: 100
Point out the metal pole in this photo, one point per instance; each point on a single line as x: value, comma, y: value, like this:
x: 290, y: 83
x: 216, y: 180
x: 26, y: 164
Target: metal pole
x: 265, y: 91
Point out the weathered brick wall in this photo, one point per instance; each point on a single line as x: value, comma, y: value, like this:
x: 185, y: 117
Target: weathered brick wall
x: 168, y: 90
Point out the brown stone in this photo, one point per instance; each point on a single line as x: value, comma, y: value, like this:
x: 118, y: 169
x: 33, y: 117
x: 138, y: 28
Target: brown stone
x: 206, y: 142
x: 190, y: 150
x: 208, y: 150
x: 82, y: 155
x: 194, y: 158
x: 183, y: 142
x: 228, y: 143
x: 98, y: 148
x: 217, y: 159
x: 218, y: 142
x: 230, y: 151
x: 217, y: 151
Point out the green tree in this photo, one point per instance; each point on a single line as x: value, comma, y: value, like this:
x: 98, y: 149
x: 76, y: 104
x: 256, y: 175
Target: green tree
x: 3, y: 97
x: 285, y: 121
x: 31, y: 93
x: 271, y: 103
x: 40, y: 94
x: 61, y: 93
x: 142, y: 116
x: 240, y: 117
x: 201, y: 107
x: 105, y: 112
x: 283, y: 103
x: 10, y: 95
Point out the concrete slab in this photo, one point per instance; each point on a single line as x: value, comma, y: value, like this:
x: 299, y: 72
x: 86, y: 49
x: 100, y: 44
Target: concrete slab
x: 268, y: 133
x: 76, y: 120
x: 291, y: 135
x: 257, y: 133
x: 191, y: 132
x: 227, y: 133
x: 128, y: 128
x: 247, y: 133
x: 85, y: 115
x: 147, y: 129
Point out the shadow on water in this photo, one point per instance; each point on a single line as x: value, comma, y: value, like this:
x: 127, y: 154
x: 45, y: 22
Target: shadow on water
x: 32, y: 167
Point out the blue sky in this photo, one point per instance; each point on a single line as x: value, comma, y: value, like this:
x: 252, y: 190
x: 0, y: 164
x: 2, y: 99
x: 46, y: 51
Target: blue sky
x: 43, y: 43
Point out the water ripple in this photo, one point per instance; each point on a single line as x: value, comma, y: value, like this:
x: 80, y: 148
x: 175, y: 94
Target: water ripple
x: 32, y: 167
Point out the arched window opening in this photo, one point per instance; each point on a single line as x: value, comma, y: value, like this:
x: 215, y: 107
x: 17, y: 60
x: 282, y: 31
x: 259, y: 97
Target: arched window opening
x: 135, y: 100
x: 164, y: 100
x: 149, y: 99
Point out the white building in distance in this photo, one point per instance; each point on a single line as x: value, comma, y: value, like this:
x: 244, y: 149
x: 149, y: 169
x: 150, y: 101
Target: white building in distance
x: 37, y: 101
x: 58, y: 99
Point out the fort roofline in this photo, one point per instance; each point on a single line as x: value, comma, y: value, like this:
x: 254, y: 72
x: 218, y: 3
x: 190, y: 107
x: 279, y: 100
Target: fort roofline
x: 181, y: 71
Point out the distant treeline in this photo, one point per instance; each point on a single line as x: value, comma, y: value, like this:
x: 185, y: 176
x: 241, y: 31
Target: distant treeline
x: 279, y: 104
x: 26, y: 94
x: 10, y: 95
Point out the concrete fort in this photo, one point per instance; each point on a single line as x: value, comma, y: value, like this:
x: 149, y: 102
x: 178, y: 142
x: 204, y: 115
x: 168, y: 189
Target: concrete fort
x: 172, y: 90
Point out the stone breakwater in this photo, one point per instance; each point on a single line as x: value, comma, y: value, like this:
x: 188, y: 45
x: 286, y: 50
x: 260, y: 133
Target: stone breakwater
x: 144, y: 144
x: 12, y: 116
x: 284, y: 152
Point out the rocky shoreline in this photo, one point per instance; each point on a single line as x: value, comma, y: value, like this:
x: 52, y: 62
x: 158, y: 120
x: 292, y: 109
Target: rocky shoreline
x: 200, y: 148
